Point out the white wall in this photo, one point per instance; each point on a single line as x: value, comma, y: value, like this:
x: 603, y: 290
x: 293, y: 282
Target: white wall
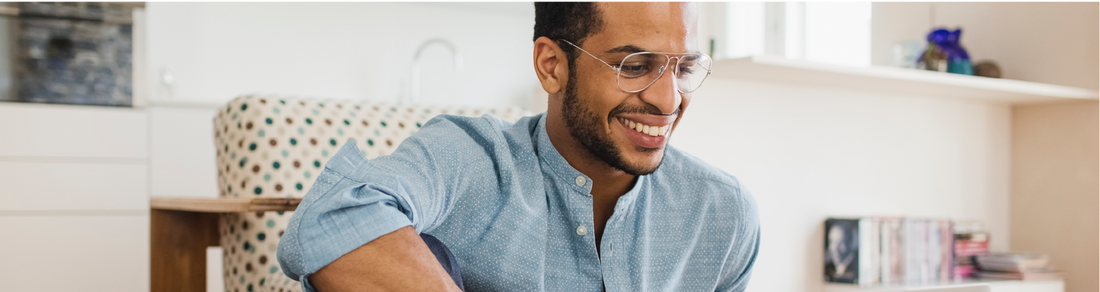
x: 216, y: 51
x: 1054, y: 43
x: 808, y: 153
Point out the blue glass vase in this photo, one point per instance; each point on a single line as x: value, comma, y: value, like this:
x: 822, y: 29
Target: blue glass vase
x: 943, y: 45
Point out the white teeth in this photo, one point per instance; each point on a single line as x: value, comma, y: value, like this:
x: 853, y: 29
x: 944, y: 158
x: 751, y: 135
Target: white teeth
x: 646, y: 129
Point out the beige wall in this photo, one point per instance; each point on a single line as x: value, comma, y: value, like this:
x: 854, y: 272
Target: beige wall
x: 1055, y: 197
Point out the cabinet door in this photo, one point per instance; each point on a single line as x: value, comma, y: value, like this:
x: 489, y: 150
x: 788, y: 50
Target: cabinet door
x: 74, y: 253
x: 63, y: 131
x: 72, y: 186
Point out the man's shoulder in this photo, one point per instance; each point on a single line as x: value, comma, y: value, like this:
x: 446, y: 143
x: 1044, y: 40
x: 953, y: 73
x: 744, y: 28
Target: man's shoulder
x: 682, y: 171
x: 686, y: 168
x: 485, y: 130
x: 486, y: 124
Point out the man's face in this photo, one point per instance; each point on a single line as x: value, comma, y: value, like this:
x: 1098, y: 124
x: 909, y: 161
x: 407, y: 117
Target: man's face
x: 599, y: 114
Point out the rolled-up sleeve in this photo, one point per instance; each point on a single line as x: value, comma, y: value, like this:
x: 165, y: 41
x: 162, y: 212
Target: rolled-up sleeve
x: 354, y: 201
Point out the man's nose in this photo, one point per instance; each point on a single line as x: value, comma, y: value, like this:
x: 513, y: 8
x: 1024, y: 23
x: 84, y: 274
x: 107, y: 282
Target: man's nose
x: 663, y: 93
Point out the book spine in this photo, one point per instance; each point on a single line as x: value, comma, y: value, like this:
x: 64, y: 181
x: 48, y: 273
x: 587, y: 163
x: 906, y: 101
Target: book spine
x: 910, y: 271
x: 899, y: 251
x: 934, y: 250
x: 925, y: 263
x: 947, y: 238
x: 864, y: 251
x: 886, y: 238
x: 876, y: 251
x: 954, y: 262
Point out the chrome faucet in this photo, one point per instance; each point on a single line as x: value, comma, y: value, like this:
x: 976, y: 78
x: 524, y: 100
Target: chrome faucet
x: 414, y: 78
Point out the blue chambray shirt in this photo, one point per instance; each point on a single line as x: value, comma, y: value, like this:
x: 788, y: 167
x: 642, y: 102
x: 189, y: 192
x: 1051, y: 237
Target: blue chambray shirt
x: 518, y: 217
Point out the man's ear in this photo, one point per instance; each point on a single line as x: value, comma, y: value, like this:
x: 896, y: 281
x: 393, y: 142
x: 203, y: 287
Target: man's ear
x: 550, y: 65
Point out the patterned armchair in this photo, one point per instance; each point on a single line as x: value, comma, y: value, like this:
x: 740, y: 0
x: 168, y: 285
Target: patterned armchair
x: 271, y: 146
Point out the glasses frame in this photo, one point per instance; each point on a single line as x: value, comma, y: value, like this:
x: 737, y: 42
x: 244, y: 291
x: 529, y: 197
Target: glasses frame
x: 660, y: 72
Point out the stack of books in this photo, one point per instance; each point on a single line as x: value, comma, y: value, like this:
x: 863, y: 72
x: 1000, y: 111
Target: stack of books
x: 889, y: 251
x: 970, y: 241
x: 1012, y: 266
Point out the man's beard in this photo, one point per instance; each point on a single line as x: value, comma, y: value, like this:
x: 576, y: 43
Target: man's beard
x: 584, y: 125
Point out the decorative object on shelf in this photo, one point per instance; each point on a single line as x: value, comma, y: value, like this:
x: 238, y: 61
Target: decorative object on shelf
x: 945, y: 54
x: 74, y: 53
x: 888, y: 251
x: 906, y: 54
x: 987, y: 68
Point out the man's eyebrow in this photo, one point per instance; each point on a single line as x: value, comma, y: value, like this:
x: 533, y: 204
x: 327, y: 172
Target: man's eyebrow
x: 625, y: 49
x: 629, y: 49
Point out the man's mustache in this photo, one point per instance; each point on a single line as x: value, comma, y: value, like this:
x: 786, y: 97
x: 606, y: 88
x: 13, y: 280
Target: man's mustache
x: 648, y: 109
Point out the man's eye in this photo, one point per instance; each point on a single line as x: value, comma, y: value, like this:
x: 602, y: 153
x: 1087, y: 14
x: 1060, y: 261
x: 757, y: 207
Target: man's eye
x: 633, y: 70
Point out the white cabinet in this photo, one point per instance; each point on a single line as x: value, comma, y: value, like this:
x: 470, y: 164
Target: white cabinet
x: 74, y: 205
x: 75, y: 253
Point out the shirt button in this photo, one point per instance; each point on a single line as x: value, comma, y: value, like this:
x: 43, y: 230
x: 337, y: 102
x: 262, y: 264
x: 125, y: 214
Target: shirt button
x: 582, y: 230
x: 580, y: 181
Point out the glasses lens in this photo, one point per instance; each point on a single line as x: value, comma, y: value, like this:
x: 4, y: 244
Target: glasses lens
x: 639, y: 70
x: 691, y: 72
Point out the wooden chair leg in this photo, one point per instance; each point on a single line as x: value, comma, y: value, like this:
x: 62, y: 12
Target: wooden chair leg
x: 178, y: 242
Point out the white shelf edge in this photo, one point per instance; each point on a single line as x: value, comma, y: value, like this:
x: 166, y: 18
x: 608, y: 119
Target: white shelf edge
x: 39, y: 105
x: 895, y: 80
x: 185, y: 103
x: 840, y: 287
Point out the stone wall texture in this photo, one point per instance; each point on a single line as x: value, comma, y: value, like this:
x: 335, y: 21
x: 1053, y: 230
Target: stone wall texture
x: 74, y: 53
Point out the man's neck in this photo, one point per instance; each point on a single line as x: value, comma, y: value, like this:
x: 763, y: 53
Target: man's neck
x: 608, y: 183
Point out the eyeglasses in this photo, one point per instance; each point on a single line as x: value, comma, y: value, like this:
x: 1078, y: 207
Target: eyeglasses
x: 640, y: 70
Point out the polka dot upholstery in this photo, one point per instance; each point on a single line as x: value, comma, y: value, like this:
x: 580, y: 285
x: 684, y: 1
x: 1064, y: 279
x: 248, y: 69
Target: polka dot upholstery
x: 271, y: 146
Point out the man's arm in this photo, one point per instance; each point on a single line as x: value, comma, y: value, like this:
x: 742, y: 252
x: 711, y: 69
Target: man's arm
x: 346, y: 233
x: 399, y: 261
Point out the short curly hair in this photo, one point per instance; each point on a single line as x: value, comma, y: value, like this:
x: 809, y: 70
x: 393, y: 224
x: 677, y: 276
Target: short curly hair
x: 571, y: 21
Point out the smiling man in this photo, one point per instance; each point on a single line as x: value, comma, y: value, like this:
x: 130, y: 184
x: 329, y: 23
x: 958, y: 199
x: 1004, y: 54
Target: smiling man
x: 588, y: 196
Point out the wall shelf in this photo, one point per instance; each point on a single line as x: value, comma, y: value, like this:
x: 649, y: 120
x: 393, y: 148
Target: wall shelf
x: 995, y: 286
x: 898, y: 81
